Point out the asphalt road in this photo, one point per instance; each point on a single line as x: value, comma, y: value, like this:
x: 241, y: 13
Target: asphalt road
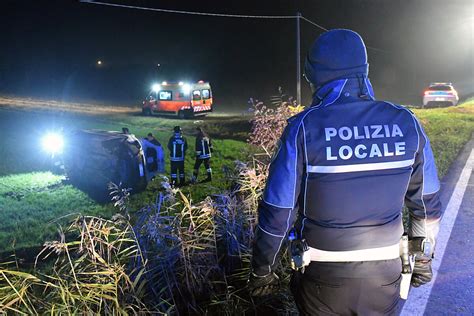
x: 452, y: 292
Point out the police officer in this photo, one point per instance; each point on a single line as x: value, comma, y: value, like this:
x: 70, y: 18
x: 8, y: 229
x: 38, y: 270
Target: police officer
x: 342, y: 171
x: 203, y: 154
x: 177, y: 146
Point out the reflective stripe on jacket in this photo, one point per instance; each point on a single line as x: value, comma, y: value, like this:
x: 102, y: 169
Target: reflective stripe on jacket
x: 344, y: 168
x: 177, y: 146
x: 203, y: 147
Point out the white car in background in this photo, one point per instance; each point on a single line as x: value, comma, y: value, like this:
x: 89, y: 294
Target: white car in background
x: 440, y: 93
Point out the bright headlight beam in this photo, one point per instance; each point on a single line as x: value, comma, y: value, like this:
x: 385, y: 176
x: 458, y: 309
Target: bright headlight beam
x: 156, y: 87
x: 53, y: 143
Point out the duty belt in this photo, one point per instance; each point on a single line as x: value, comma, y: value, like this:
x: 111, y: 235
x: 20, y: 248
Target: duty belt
x: 372, y: 254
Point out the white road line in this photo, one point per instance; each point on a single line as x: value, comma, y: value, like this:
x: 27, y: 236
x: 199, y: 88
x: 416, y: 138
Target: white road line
x: 418, y: 297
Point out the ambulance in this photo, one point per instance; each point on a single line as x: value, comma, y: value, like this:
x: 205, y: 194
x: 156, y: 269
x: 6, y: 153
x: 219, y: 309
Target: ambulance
x: 181, y: 99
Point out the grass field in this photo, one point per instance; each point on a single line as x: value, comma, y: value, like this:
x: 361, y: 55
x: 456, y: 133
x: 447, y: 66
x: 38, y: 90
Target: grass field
x: 31, y: 198
x: 449, y: 129
x: 32, y: 203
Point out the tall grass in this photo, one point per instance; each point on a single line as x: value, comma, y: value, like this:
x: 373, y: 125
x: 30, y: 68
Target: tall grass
x: 87, y: 271
x: 199, y: 253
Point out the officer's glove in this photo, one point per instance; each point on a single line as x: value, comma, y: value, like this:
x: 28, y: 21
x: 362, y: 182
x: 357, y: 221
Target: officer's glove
x: 422, y: 272
x: 264, y: 285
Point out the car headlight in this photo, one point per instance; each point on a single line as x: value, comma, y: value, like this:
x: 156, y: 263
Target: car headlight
x: 156, y: 87
x: 53, y: 143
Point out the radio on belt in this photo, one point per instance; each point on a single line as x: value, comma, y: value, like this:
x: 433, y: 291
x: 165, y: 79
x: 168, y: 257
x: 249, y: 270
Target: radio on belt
x: 299, y: 252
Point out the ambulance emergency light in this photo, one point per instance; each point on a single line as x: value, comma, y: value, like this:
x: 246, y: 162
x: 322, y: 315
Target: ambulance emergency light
x: 156, y: 87
x: 186, y: 88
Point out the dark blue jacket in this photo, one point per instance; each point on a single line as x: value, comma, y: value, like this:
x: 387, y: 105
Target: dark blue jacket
x: 344, y: 168
x: 177, y: 145
x: 203, y: 147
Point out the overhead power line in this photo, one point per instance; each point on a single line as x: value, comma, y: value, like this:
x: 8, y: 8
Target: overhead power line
x: 237, y: 16
x: 325, y: 29
x: 242, y: 16
x: 315, y: 24
x: 377, y: 49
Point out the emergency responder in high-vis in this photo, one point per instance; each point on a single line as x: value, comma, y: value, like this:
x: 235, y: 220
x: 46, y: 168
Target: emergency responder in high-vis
x: 177, y: 146
x: 343, y: 170
x: 203, y: 154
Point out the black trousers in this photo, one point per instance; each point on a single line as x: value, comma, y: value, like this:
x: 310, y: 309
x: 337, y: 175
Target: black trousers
x: 363, y: 288
x: 207, y: 165
x: 177, y: 171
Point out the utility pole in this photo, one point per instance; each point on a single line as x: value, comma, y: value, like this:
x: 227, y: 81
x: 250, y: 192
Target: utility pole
x: 298, y: 60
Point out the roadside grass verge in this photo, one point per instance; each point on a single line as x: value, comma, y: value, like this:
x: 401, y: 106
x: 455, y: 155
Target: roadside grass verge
x: 449, y: 129
x: 55, y: 105
x: 31, y: 203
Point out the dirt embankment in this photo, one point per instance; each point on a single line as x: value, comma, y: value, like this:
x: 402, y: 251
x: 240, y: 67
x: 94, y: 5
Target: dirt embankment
x: 53, y: 105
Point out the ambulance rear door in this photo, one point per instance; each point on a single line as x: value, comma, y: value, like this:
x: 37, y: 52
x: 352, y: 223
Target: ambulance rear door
x: 201, y: 98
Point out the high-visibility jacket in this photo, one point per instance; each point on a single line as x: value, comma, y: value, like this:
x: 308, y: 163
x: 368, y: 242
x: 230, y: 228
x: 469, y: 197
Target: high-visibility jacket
x: 177, y: 146
x: 203, y: 147
x: 344, y: 168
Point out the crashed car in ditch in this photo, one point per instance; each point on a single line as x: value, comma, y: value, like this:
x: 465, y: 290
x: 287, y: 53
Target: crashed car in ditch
x: 94, y: 158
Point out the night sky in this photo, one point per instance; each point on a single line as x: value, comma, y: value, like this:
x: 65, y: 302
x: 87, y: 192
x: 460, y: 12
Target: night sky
x: 49, y: 49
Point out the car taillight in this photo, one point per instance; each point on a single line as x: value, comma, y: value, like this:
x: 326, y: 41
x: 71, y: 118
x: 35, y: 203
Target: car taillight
x: 427, y: 92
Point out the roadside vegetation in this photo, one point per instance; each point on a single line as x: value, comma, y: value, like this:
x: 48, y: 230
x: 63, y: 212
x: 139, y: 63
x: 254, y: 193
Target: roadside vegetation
x: 170, y: 251
x: 32, y: 205
x: 449, y: 129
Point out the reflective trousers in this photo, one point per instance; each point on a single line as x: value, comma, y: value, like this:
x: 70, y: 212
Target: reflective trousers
x: 207, y: 165
x: 177, y: 171
x: 354, y: 288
